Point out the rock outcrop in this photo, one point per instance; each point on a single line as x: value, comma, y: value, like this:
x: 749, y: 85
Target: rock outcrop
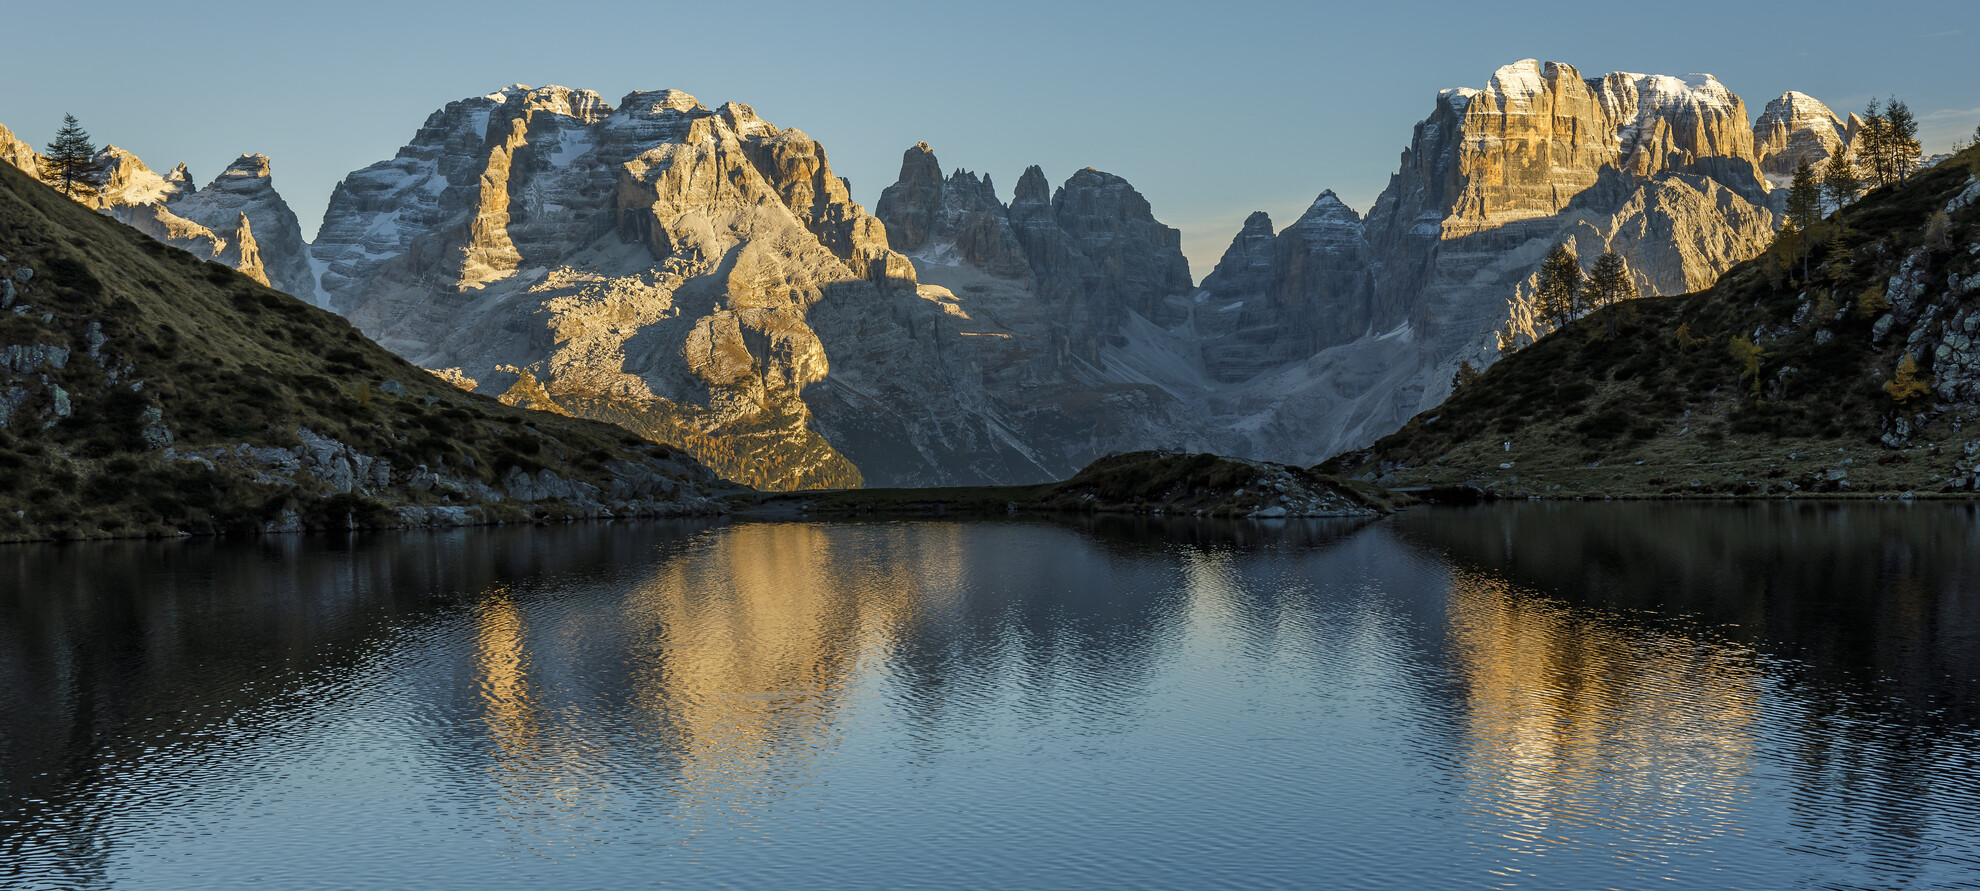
x: 1794, y: 128
x: 18, y: 153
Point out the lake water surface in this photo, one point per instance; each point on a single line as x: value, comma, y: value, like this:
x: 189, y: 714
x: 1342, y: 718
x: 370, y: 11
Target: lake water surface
x: 1520, y: 696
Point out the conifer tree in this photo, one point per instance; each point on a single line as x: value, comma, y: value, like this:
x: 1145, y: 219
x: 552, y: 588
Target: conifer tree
x: 1804, y: 198
x: 1907, y: 384
x: 1839, y: 180
x: 69, y: 163
x: 1558, y: 291
x: 1804, y: 210
x: 1609, y: 284
x: 1869, y: 144
x: 1787, y: 248
x: 1901, y: 139
x: 1465, y: 375
x: 1888, y: 142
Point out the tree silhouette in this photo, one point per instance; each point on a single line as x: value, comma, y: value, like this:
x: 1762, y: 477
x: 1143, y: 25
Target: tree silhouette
x: 1557, y: 294
x: 1839, y: 180
x: 69, y: 163
x: 1609, y: 284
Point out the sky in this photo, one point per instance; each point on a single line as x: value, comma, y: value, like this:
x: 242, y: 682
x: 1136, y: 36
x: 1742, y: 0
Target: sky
x: 1212, y: 110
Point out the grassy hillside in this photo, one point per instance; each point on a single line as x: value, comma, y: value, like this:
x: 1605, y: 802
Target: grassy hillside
x: 146, y: 392
x: 1170, y: 483
x: 1774, y: 381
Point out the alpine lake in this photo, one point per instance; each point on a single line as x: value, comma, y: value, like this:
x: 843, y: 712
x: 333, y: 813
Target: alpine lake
x: 1519, y: 695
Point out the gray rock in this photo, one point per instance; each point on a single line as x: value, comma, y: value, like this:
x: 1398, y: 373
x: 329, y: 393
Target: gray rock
x: 27, y: 359
x: 23, y: 274
x: 11, y: 400
x: 152, y: 429
x: 393, y: 388
x: 439, y: 515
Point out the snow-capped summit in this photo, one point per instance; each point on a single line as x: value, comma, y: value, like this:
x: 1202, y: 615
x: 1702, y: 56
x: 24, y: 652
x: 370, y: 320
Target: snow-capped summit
x: 1795, y: 127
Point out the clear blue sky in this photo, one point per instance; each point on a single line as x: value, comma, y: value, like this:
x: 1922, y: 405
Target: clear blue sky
x: 1213, y: 110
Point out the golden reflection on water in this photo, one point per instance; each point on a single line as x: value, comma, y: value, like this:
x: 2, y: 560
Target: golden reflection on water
x: 536, y: 777
x: 1572, y: 718
x: 502, y: 664
x: 744, y: 654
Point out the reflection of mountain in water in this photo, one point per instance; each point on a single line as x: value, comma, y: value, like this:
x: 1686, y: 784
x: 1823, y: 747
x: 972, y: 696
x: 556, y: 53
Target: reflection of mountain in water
x: 1601, y: 645
x: 1527, y: 686
x: 1867, y: 595
x: 1569, y: 714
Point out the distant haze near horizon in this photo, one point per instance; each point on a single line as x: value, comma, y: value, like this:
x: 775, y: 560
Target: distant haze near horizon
x: 1211, y: 111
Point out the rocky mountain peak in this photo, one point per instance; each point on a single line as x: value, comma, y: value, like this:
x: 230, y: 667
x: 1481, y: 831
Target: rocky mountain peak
x: 1111, y: 224
x: 583, y: 105
x: 1032, y: 188
x: 743, y: 120
x: 1091, y: 193
x: 909, y: 206
x: 1521, y: 81
x: 250, y: 171
x: 127, y: 181
x: 1246, y: 268
x: 242, y: 199
x: 1793, y: 128
x: 677, y: 270
x: 1329, y: 211
x: 652, y: 103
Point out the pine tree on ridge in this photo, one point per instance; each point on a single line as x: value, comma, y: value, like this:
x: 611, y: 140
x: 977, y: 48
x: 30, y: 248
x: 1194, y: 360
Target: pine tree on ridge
x: 1557, y: 293
x: 69, y: 163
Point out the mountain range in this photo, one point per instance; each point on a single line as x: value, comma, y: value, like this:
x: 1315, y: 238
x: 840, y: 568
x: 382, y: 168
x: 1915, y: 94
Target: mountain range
x: 700, y: 276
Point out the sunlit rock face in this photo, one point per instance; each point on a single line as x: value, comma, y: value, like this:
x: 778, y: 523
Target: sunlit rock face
x: 697, y: 275
x: 18, y: 153
x: 1794, y: 128
x: 246, y: 190
x: 227, y: 226
x: 1440, y: 270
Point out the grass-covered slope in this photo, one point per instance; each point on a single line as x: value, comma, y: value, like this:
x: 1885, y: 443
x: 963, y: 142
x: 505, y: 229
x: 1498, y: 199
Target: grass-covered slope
x: 1168, y: 483
x: 1773, y: 381
x: 144, y: 391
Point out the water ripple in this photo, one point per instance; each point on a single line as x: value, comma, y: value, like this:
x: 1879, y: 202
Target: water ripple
x: 1513, y: 697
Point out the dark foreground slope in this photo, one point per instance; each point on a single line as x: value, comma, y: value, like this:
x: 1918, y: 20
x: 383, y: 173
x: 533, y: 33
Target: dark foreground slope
x: 1770, y: 382
x: 1165, y: 483
x: 145, y: 392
